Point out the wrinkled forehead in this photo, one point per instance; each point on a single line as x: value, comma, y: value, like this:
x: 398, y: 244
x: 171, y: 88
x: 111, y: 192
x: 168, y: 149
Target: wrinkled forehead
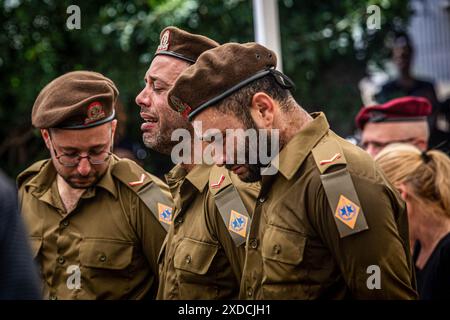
x: 387, y: 131
x: 213, y: 119
x: 82, y: 138
x: 166, y: 68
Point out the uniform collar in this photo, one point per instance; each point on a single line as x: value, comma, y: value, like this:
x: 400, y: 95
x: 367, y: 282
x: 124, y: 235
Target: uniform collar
x: 297, y: 149
x: 43, y: 180
x: 199, y: 176
x: 107, y: 181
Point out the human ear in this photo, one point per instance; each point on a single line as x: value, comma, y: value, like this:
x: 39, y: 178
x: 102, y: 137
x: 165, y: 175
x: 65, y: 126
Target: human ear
x: 46, y: 136
x: 263, y: 109
x: 403, y: 190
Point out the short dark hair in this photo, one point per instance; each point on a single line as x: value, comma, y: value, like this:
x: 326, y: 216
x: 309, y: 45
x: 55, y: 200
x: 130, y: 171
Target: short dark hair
x: 403, y: 39
x: 238, y: 103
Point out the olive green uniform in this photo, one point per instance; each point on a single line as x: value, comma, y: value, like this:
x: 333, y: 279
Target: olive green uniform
x: 299, y: 248
x: 111, y: 237
x: 201, y: 258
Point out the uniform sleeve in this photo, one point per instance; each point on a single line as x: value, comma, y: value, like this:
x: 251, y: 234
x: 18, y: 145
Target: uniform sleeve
x: 151, y: 235
x: 374, y: 263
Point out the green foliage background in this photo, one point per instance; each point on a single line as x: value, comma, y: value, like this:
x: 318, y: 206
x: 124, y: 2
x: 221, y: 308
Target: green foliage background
x: 326, y: 46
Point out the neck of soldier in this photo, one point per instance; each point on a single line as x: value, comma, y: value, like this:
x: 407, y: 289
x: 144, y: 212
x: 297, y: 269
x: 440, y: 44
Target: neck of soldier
x: 430, y: 228
x: 291, y: 122
x: 191, y: 164
x: 69, y: 196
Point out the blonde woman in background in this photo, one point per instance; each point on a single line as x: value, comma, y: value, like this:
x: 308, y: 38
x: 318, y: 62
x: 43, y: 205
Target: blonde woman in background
x: 423, y: 180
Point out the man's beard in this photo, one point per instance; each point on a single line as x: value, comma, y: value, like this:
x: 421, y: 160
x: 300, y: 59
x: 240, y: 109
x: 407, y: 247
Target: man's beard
x: 254, y: 169
x: 253, y: 174
x: 162, y: 141
x: 92, y: 178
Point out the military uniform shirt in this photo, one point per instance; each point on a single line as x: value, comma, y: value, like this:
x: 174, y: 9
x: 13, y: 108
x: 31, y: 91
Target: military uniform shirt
x: 199, y: 259
x: 110, y: 241
x: 294, y: 248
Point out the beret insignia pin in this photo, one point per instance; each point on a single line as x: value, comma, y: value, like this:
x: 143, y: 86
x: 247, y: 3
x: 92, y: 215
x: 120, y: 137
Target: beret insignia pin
x: 164, y: 44
x: 181, y: 107
x: 95, y: 112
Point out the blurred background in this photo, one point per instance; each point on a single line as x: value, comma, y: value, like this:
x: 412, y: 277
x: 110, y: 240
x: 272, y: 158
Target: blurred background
x: 336, y: 61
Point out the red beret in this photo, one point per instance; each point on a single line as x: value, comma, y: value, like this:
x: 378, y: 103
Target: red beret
x: 400, y: 109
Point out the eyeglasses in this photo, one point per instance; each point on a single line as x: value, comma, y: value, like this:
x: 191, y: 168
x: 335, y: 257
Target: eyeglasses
x: 72, y: 160
x: 381, y: 145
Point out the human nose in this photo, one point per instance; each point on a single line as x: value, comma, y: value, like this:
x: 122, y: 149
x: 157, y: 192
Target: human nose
x: 143, y: 98
x: 372, y: 150
x: 84, y: 166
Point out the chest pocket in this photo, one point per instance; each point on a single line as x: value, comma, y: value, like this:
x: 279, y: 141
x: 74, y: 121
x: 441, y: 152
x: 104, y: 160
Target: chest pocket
x: 106, y: 254
x: 282, y: 253
x: 194, y: 256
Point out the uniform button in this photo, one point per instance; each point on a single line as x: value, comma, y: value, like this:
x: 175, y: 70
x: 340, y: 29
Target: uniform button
x: 250, y: 292
x: 276, y: 249
x: 179, y: 220
x: 188, y: 259
x: 253, y: 243
x: 261, y: 200
x: 102, y: 258
x: 61, y: 260
x: 65, y: 223
x: 53, y: 297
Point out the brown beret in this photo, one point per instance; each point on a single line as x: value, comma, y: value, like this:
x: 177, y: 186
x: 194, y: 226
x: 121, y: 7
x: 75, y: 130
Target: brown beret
x: 399, y: 109
x: 183, y: 45
x: 220, y: 72
x: 75, y: 100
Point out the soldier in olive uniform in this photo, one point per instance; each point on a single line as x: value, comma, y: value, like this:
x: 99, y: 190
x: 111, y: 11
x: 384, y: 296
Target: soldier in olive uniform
x: 327, y: 225
x: 204, y: 253
x: 92, y: 218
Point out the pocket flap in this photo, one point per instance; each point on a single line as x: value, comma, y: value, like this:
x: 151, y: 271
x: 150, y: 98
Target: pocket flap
x: 105, y: 253
x: 194, y: 256
x: 283, y: 245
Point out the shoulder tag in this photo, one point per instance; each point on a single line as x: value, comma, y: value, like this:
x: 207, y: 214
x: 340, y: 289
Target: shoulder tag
x: 339, y: 189
x: 230, y: 206
x: 144, y: 185
x: 159, y: 204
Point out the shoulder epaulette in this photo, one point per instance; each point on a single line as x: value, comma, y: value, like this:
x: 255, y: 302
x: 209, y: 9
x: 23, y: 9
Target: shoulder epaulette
x: 339, y: 188
x: 151, y: 190
x: 30, y: 172
x: 230, y: 205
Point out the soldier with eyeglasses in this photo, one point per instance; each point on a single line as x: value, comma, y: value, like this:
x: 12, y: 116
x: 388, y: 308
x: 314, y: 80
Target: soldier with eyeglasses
x: 94, y: 220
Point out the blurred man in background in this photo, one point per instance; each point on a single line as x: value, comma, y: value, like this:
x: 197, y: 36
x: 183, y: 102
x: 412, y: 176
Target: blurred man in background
x: 406, y: 84
x: 399, y: 120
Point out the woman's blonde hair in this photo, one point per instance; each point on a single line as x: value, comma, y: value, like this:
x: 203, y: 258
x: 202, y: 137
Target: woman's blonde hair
x: 426, y: 173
